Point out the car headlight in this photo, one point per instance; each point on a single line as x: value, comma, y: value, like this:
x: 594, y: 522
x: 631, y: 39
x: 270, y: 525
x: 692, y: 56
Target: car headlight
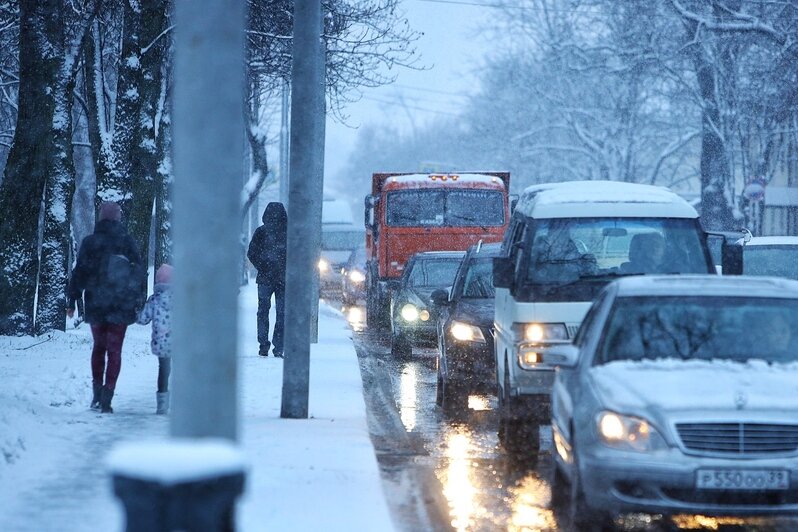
x: 628, y: 433
x: 356, y: 276
x: 324, y: 266
x: 466, y: 333
x: 409, y: 312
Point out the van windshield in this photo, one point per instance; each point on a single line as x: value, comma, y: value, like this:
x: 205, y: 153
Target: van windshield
x: 341, y: 240
x: 442, y: 208
x: 570, y: 259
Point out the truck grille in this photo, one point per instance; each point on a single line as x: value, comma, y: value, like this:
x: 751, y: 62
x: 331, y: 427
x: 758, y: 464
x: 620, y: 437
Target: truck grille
x: 739, y: 438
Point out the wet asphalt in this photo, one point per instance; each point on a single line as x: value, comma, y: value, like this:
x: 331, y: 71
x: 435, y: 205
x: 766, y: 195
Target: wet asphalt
x: 451, y: 473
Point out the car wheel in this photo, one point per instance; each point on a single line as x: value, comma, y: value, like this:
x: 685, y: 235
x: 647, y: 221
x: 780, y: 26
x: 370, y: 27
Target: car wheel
x: 582, y: 516
x: 439, y: 387
x: 454, y: 397
x: 401, y: 347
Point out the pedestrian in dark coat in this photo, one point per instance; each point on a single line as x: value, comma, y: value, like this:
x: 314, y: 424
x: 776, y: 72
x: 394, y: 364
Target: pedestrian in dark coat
x: 158, y: 310
x: 267, y: 251
x: 108, y: 316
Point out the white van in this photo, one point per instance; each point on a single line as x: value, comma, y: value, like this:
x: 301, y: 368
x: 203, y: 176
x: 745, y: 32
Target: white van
x: 565, y: 242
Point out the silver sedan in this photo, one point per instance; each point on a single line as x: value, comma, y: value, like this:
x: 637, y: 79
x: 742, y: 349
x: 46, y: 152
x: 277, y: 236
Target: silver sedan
x: 679, y: 395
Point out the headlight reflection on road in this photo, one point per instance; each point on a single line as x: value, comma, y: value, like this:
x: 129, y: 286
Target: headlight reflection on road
x: 356, y: 318
x: 458, y: 487
x: 530, y: 499
x: 407, y: 396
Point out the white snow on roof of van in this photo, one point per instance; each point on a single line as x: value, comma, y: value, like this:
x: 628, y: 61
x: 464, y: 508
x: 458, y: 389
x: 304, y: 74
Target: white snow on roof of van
x: 773, y: 241
x: 584, y: 199
x: 336, y: 211
x: 461, y: 178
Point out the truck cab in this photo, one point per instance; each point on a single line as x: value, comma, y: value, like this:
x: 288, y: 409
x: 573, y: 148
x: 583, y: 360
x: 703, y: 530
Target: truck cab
x: 409, y: 213
x: 565, y: 242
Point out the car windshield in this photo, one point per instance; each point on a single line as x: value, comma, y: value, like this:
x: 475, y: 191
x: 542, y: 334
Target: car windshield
x: 701, y: 328
x: 433, y: 272
x: 779, y: 261
x: 572, y: 258
x: 341, y: 240
x: 478, y: 283
x: 452, y: 208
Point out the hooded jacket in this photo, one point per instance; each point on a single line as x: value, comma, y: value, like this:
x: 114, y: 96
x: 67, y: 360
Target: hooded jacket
x: 158, y: 310
x: 109, y: 237
x: 267, y: 249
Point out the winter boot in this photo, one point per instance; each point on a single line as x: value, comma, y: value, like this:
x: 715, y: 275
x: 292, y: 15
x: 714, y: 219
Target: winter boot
x: 162, y: 401
x: 105, y: 400
x: 95, y: 400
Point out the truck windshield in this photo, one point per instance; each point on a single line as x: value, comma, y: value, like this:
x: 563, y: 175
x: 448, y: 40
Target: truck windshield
x: 445, y: 208
x: 570, y: 259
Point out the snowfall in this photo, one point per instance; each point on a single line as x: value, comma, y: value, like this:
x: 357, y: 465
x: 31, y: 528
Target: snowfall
x: 315, y: 474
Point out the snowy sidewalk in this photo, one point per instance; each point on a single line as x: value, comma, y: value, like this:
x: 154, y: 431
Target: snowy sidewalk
x: 314, y: 474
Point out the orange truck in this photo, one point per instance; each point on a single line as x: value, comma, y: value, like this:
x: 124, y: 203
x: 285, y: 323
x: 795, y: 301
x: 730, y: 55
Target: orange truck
x: 408, y: 213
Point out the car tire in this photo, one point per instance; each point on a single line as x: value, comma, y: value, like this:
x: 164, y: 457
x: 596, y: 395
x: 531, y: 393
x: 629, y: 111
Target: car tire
x: 454, y: 397
x: 582, y: 516
x: 401, y: 348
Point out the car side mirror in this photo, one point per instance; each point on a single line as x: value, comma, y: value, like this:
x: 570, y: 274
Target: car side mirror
x: 563, y: 355
x: 731, y: 258
x: 440, y: 298
x: 503, y: 272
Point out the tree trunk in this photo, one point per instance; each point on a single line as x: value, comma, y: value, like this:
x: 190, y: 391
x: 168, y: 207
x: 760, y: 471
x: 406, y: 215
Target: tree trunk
x: 716, y: 213
x: 41, y: 60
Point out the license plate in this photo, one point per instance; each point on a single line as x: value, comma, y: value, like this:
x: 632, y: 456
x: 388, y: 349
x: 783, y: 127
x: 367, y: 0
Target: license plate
x: 742, y: 479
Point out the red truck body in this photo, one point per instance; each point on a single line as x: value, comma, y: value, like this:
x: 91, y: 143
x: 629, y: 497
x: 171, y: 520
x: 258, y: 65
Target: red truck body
x: 408, y: 213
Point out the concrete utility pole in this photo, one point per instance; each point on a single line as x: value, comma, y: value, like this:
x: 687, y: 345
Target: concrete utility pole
x: 208, y: 164
x: 304, y: 203
x: 284, y: 144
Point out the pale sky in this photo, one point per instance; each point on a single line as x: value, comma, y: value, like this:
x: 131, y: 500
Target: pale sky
x: 452, y: 48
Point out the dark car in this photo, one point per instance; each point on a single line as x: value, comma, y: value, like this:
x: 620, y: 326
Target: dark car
x: 353, y: 282
x: 465, y: 330
x: 413, y: 316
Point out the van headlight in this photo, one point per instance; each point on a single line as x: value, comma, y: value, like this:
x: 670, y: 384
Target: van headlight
x: 324, y: 266
x: 540, y: 332
x: 628, y: 433
x: 356, y: 276
x: 466, y: 333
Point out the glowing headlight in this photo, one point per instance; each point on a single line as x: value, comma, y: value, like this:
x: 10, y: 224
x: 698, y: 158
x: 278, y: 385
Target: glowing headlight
x: 324, y: 266
x: 628, y: 433
x: 356, y: 276
x: 409, y: 312
x: 545, y: 332
x: 466, y: 333
x: 528, y: 359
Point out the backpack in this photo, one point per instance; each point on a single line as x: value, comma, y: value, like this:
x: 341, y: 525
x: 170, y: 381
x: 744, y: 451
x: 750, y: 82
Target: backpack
x: 120, y: 282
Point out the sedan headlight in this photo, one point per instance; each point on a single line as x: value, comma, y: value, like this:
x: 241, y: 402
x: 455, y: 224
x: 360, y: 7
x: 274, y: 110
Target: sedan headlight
x: 466, y: 333
x: 356, y: 276
x: 540, y: 332
x: 409, y: 312
x: 628, y: 433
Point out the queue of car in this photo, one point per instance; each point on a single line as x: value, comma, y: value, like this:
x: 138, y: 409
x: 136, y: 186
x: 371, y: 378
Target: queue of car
x: 669, y: 388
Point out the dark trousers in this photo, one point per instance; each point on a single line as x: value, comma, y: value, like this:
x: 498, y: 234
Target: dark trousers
x: 265, y: 291
x: 108, y: 339
x: 164, y: 369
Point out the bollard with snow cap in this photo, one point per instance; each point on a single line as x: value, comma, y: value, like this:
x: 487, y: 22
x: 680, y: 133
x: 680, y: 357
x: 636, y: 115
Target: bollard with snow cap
x: 178, y: 484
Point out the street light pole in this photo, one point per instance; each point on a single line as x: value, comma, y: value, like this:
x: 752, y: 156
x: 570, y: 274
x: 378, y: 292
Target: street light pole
x: 208, y: 163
x: 306, y: 174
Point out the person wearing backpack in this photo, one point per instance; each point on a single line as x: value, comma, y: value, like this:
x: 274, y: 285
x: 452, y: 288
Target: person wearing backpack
x: 267, y: 252
x: 158, y: 310
x: 109, y: 275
